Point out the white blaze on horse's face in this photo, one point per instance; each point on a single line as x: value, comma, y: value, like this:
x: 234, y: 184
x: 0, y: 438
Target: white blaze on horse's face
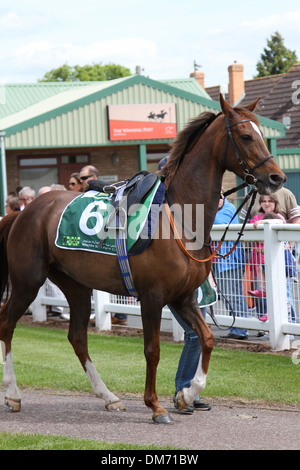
x: 256, y: 128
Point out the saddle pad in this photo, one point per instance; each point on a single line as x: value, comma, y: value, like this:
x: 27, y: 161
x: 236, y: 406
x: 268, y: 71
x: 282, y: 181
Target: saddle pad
x: 82, y: 223
x: 207, y: 293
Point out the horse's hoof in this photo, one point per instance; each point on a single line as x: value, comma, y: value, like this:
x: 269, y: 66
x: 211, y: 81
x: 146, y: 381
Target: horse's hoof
x: 13, y: 404
x: 179, y: 401
x: 116, y: 406
x: 163, y: 419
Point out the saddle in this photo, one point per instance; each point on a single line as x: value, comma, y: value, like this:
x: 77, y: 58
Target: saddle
x: 125, y: 195
x: 134, y: 190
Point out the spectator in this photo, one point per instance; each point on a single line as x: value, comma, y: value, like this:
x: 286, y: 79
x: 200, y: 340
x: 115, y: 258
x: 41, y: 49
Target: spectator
x: 290, y: 211
x: 190, y: 354
x: 287, y: 203
x: 188, y: 364
x: 257, y: 263
x: 229, y: 271
x: 74, y: 182
x: 26, y: 196
x: 87, y: 173
x: 12, y: 204
x: 43, y: 190
x: 57, y: 187
x: 268, y: 205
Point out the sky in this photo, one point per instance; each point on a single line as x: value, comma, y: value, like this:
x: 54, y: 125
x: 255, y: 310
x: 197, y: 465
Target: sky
x: 163, y: 37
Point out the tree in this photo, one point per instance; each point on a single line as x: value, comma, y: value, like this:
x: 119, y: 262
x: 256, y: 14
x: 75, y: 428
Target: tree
x: 86, y: 73
x: 276, y: 58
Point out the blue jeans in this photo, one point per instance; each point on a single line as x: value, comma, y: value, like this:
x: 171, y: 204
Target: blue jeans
x: 231, y: 285
x: 190, y: 354
x: 290, y: 299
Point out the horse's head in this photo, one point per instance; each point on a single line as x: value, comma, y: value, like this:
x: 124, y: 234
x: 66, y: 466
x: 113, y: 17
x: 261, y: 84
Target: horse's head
x: 246, y: 153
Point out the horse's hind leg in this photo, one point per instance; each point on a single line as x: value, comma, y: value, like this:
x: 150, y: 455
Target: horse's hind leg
x: 12, y: 393
x: 10, y: 314
x: 79, y: 299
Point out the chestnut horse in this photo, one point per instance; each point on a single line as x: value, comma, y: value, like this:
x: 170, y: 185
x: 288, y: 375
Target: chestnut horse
x: 162, y: 274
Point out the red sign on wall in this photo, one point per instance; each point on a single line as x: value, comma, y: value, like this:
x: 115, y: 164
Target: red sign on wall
x: 142, y: 121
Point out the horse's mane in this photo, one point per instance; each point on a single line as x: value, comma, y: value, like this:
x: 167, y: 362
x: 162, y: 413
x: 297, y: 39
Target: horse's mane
x: 184, y: 141
x: 189, y: 135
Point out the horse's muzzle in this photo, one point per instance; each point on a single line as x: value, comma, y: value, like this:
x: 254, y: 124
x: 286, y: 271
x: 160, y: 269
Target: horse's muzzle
x: 276, y: 180
x: 270, y: 184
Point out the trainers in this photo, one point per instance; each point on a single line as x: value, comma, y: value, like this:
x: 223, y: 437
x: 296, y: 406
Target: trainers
x: 257, y: 293
x: 200, y: 406
x: 264, y: 317
x: 197, y: 405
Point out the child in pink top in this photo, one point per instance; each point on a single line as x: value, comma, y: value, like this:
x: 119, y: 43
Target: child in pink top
x: 269, y: 209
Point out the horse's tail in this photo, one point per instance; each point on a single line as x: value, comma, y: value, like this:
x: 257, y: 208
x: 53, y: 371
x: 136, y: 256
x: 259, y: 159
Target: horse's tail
x: 5, y: 226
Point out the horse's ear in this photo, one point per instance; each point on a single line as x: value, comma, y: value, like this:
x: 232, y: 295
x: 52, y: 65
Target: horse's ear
x: 226, y: 108
x: 253, y: 105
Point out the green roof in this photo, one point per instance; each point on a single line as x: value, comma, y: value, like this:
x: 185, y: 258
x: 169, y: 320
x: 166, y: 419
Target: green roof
x: 187, y: 84
x: 18, y: 96
x: 77, y: 110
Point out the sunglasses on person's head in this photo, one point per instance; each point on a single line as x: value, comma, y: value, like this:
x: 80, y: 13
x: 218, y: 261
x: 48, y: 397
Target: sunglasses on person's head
x: 83, y: 178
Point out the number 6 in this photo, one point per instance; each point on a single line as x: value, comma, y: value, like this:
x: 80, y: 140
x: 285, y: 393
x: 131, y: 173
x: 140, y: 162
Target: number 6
x: 87, y: 214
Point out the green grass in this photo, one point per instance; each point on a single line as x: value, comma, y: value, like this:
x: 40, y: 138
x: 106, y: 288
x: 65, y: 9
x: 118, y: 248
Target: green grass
x: 43, y: 358
x: 21, y: 441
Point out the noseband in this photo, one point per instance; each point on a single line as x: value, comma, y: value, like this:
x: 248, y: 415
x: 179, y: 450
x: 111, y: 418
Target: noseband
x: 248, y: 172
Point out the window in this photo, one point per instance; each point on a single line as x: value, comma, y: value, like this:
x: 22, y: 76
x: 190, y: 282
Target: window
x: 46, y: 170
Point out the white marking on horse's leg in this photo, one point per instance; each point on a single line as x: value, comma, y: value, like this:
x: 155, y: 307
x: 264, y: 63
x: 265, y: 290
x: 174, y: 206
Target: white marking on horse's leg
x: 9, y: 379
x: 197, y: 384
x: 98, y: 385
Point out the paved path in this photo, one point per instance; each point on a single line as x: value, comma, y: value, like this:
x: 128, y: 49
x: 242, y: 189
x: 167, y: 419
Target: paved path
x: 226, y: 426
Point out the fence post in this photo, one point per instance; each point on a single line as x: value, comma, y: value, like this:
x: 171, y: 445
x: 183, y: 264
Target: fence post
x: 275, y: 286
x: 102, y: 318
x: 39, y: 310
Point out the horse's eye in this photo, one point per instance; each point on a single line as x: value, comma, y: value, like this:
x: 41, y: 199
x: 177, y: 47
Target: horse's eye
x: 246, y: 137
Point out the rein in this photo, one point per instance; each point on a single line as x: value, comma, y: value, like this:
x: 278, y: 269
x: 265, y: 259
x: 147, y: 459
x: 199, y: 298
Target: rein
x: 216, y: 253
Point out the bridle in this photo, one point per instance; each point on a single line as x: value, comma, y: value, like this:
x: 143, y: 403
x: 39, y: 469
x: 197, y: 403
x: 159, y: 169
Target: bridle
x: 249, y: 180
x: 248, y: 172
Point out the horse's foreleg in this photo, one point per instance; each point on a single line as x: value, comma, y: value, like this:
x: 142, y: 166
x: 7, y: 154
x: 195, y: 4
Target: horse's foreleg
x: 195, y: 319
x: 151, y: 327
x: 187, y: 395
x: 79, y: 299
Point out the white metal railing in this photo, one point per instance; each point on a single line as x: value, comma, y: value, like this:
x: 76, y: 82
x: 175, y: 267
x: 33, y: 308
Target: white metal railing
x: 280, y: 324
